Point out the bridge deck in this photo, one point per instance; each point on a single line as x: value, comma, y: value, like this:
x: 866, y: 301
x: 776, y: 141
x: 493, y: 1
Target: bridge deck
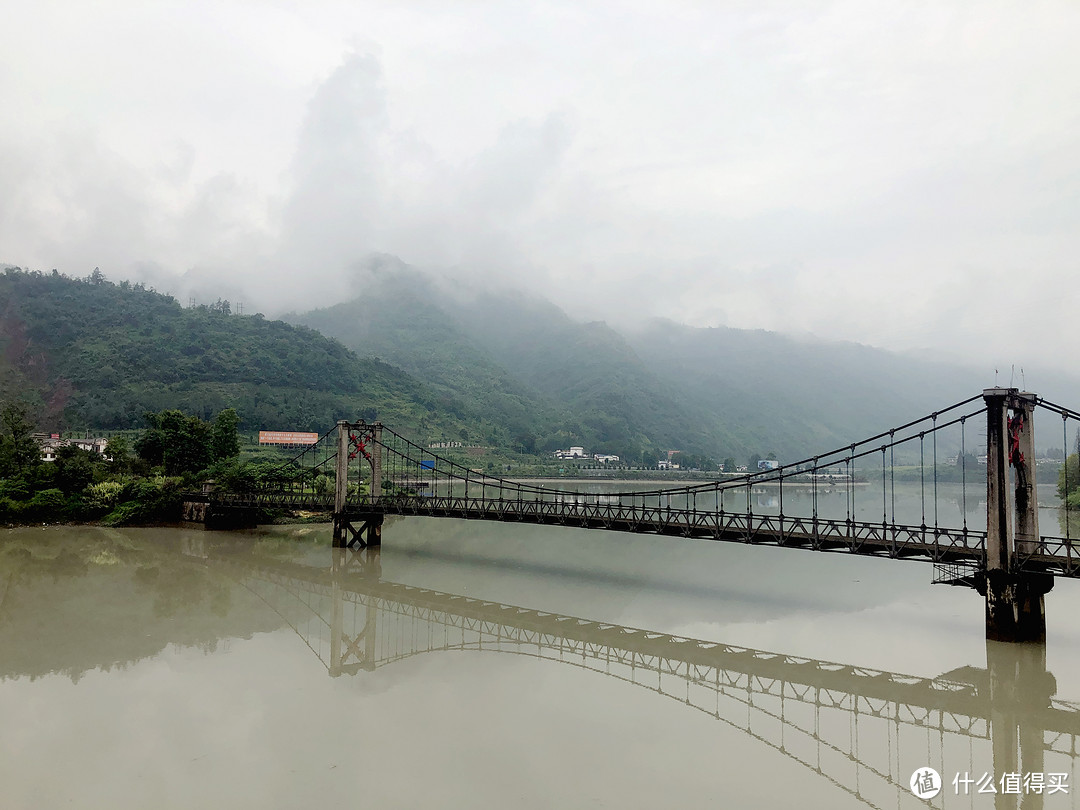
x: 1052, y: 555
x: 935, y: 544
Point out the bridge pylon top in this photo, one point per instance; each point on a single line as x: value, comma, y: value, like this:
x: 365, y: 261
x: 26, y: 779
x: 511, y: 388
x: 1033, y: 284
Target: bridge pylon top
x: 998, y: 391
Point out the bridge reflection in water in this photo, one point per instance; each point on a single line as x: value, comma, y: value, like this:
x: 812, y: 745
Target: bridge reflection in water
x: 864, y: 730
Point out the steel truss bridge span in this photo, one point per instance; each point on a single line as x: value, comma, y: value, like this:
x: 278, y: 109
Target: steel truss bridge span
x: 933, y: 544
x: 844, y: 500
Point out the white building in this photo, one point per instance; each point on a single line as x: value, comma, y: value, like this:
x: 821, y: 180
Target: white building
x: 50, y: 445
x: 573, y: 452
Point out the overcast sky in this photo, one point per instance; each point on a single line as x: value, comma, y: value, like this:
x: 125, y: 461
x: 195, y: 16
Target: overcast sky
x: 901, y: 174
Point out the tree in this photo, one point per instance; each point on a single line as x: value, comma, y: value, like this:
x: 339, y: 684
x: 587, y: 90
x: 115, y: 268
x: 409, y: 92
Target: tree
x: 224, y: 438
x: 967, y: 461
x: 730, y: 465
x: 19, y: 450
x: 117, y: 450
x: 73, y: 469
x: 179, y: 442
x: 150, y: 446
x: 1069, y: 479
x: 187, y: 443
x: 525, y: 442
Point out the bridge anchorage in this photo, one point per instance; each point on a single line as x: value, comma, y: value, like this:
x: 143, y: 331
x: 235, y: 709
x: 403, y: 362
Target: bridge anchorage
x: 843, y: 501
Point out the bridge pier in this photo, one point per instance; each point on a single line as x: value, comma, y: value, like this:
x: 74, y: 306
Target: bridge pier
x: 365, y: 535
x: 1015, y: 607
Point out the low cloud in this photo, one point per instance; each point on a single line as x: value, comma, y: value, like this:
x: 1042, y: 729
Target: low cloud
x: 905, y: 178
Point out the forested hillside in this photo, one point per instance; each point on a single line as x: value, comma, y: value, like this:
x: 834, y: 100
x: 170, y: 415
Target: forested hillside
x: 400, y: 320
x: 499, y: 369
x: 89, y: 353
x: 541, y: 378
x: 816, y: 394
x: 661, y: 385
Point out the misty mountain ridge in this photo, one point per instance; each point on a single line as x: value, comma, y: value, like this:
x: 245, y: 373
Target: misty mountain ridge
x: 658, y: 385
x: 86, y: 353
x: 496, y: 367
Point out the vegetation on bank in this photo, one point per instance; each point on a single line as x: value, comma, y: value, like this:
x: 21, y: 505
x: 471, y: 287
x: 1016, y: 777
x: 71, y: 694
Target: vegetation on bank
x: 1068, y: 483
x: 138, y: 483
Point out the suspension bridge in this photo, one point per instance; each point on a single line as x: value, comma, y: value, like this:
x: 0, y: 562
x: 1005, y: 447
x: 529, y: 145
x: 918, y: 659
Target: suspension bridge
x: 859, y: 728
x: 840, y: 501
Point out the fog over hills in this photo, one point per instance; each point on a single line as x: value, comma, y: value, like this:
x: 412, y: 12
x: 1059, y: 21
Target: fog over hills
x: 492, y: 366
x: 519, y: 360
x: 902, y: 176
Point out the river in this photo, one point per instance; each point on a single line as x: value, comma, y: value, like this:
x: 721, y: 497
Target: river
x: 174, y: 667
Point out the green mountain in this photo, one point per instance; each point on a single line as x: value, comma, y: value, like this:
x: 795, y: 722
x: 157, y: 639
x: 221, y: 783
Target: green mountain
x: 799, y: 397
x: 532, y: 378
x: 523, y: 363
x: 400, y: 319
x: 88, y: 353
x: 618, y: 402
x: 493, y: 368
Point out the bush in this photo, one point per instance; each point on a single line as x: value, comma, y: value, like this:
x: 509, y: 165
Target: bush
x: 154, y: 501
x: 10, y: 511
x: 103, y: 495
x: 324, y: 485
x: 48, y: 504
x: 17, y: 488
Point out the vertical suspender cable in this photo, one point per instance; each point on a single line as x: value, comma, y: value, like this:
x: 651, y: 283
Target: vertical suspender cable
x: 884, y: 500
x: 892, y: 474
x: 935, y: 475
x: 963, y: 469
x: 851, y: 478
x: 922, y: 477
x: 1065, y: 453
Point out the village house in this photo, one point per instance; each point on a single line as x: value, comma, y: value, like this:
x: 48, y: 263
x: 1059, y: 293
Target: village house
x: 51, y: 443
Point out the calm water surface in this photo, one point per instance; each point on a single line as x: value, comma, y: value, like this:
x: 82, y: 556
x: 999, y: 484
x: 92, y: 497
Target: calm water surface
x: 160, y: 668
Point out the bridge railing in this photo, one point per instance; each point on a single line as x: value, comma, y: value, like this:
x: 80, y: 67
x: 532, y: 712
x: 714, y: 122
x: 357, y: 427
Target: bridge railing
x: 412, y: 469
x: 864, y: 472
x: 848, y: 493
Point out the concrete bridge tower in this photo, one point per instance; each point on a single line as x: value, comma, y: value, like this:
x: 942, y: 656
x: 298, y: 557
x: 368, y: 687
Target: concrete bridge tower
x: 1015, y: 609
x: 362, y: 442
